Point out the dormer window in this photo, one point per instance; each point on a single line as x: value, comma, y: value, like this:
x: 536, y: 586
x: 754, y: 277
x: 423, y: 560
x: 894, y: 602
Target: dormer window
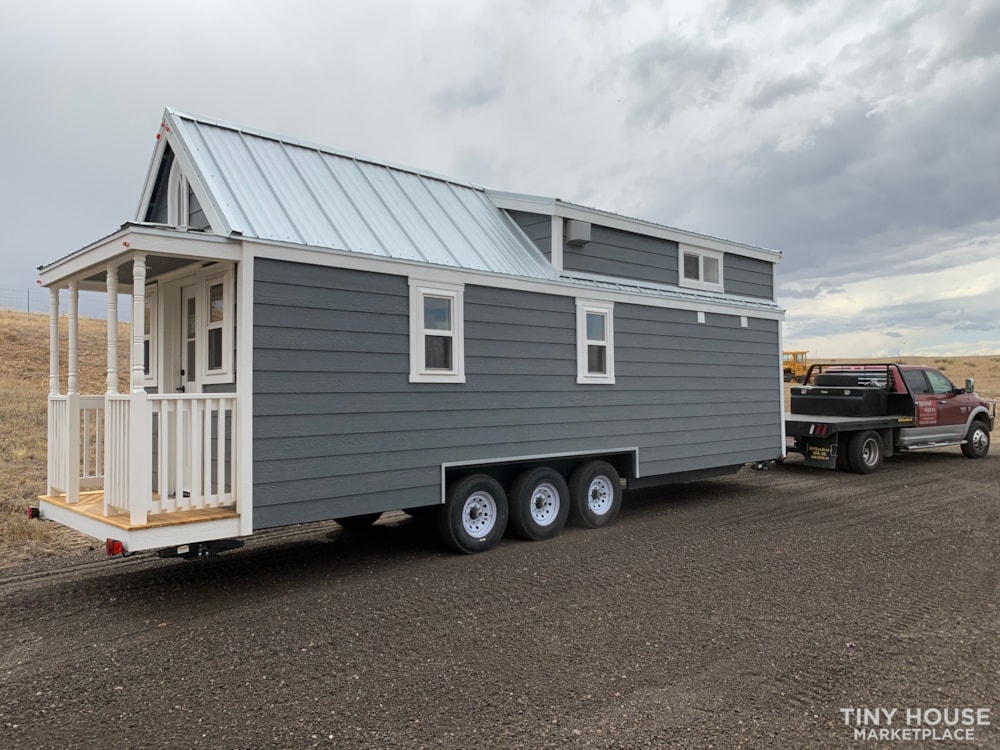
x: 173, y: 200
x: 700, y: 268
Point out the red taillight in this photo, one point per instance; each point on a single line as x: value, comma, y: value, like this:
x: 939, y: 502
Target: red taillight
x: 114, y: 547
x: 33, y: 512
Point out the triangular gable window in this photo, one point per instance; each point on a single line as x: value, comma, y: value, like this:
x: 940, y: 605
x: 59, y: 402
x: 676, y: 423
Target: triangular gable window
x: 173, y: 200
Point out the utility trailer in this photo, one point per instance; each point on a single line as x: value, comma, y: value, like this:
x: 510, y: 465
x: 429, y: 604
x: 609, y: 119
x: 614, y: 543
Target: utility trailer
x: 319, y: 336
x: 852, y: 416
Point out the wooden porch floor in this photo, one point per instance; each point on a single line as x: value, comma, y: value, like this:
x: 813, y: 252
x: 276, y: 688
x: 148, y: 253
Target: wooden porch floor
x: 91, y: 505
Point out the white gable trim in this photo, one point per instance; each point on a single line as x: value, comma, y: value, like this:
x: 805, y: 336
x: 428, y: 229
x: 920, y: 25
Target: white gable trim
x: 184, y: 163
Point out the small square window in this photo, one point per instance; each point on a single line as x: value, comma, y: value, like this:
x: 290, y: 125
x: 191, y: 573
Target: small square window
x: 595, y: 342
x: 701, y: 269
x: 436, y: 336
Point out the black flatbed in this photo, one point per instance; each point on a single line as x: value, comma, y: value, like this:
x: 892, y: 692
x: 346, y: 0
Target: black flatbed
x: 798, y: 425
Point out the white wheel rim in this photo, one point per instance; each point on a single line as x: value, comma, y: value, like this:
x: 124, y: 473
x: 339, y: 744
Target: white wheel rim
x: 479, y: 514
x: 600, y: 495
x: 869, y: 452
x: 545, y: 502
x: 980, y: 440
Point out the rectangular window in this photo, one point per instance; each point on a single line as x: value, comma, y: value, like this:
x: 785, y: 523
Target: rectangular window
x: 700, y: 269
x: 595, y: 348
x: 436, y: 333
x: 149, y: 321
x: 215, y: 350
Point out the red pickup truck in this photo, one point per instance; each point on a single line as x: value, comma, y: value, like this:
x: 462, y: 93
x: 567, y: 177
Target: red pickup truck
x: 851, y: 416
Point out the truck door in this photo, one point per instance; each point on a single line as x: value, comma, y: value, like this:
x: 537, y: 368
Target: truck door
x: 937, y: 412
x: 952, y: 409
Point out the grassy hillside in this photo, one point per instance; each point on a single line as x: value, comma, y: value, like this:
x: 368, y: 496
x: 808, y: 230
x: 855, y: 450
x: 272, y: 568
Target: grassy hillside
x: 24, y: 387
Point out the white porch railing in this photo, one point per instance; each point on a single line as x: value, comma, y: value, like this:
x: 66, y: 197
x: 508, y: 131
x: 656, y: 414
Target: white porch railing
x: 76, y: 464
x: 190, y: 443
x: 194, y: 437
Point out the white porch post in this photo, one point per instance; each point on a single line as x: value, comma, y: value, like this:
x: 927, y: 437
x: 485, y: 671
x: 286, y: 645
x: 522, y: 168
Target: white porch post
x: 73, y: 398
x: 54, y: 444
x: 140, y: 442
x: 112, y: 382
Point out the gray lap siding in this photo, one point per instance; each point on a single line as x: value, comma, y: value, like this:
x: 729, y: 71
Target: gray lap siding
x: 339, y: 429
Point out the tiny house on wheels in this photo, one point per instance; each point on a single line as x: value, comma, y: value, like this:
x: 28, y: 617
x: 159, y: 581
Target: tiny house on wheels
x: 316, y: 335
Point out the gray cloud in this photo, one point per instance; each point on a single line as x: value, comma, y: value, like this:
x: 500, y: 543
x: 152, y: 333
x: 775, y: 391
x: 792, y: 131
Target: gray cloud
x: 477, y: 91
x: 787, y: 87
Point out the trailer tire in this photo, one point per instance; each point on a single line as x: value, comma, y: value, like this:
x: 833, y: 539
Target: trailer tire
x: 977, y: 440
x: 864, y: 452
x: 595, y: 491
x: 475, y: 515
x: 358, y: 523
x: 539, y: 504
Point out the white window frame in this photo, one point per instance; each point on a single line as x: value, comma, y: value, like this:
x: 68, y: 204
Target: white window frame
x: 701, y: 254
x: 598, y: 307
x: 419, y: 372
x: 226, y: 374
x: 152, y: 317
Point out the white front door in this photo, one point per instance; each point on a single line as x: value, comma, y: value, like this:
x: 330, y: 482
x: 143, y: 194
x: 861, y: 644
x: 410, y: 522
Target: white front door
x: 187, y: 375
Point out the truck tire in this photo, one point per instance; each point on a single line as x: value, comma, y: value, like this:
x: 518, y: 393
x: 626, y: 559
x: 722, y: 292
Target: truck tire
x: 539, y: 504
x: 357, y: 523
x: 864, y: 452
x: 977, y: 440
x: 595, y: 492
x: 475, y: 515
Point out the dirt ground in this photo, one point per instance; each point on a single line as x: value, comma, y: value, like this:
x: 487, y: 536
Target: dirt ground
x: 738, y: 612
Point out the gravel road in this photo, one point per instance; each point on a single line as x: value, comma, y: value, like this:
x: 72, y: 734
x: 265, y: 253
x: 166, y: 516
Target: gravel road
x: 740, y: 612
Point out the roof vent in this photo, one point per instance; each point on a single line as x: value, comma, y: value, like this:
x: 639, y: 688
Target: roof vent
x: 577, y: 232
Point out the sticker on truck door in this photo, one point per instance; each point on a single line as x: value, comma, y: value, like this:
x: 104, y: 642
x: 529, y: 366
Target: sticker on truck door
x: 927, y: 413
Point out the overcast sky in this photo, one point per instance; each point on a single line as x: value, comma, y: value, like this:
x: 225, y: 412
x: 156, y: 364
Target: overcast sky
x: 860, y: 139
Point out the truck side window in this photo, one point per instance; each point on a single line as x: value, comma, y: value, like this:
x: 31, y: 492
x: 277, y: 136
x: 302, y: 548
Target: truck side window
x: 939, y: 383
x: 916, y: 381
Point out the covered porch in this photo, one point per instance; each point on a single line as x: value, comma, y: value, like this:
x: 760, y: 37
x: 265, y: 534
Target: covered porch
x: 135, y: 463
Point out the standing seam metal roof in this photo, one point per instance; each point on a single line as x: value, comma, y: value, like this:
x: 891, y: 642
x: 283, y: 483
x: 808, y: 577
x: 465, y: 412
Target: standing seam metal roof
x: 270, y: 188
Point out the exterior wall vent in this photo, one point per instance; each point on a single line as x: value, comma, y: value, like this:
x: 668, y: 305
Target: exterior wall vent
x: 577, y: 232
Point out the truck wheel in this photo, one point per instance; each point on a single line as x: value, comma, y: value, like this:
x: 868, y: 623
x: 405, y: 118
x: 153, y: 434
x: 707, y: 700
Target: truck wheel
x: 864, y: 452
x: 977, y: 441
x: 595, y: 492
x: 356, y: 523
x: 540, y: 504
x: 475, y: 515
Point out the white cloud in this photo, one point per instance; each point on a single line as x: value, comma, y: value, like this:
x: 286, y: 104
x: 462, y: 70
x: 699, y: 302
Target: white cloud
x: 859, y: 138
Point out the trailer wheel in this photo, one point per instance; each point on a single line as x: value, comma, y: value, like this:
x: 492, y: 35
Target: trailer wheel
x: 864, y: 452
x: 595, y: 491
x: 977, y: 440
x: 475, y: 515
x: 356, y: 523
x: 540, y: 504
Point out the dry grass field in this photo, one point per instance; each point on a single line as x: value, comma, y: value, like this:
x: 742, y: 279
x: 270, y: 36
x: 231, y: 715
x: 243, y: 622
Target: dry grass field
x: 24, y: 387
x: 24, y: 368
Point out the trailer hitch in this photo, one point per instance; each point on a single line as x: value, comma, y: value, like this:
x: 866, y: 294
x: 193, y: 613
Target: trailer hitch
x: 200, y: 549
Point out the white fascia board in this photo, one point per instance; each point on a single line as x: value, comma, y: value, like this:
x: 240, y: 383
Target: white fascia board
x: 133, y: 239
x: 447, y: 275
x: 185, y: 160
x: 555, y: 207
x: 151, y: 172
